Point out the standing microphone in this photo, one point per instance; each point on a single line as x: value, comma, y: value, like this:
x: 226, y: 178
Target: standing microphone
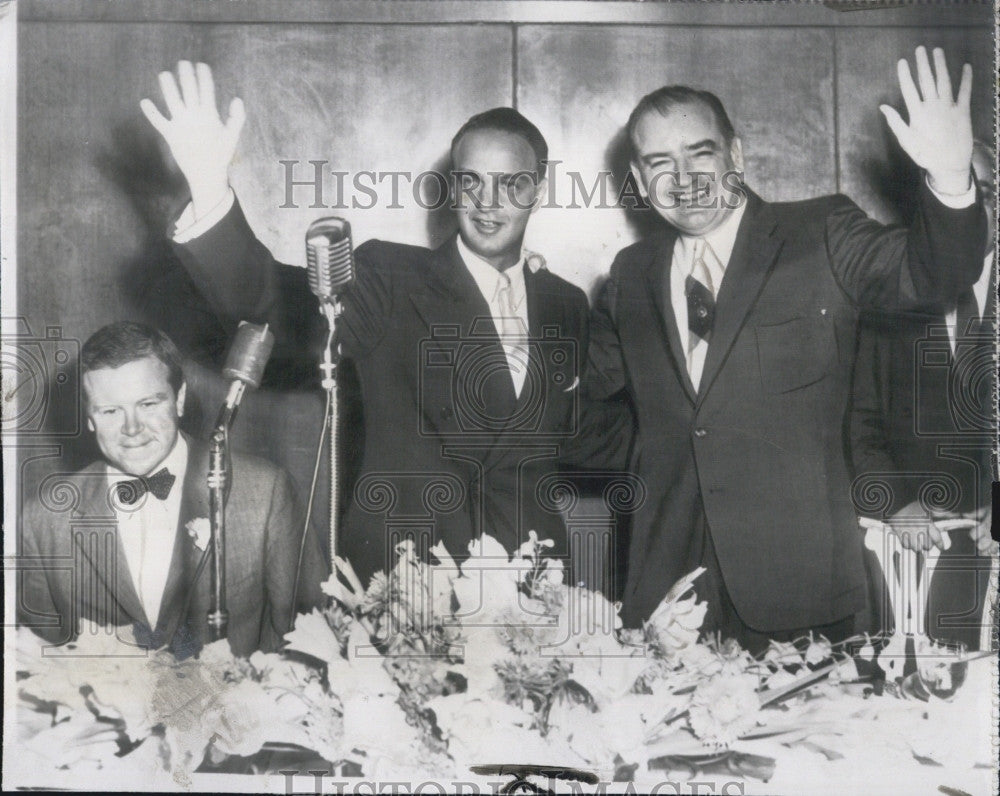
x: 330, y: 261
x: 244, y: 366
x: 330, y: 257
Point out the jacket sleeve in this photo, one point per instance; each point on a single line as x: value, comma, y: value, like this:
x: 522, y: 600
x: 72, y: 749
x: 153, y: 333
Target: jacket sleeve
x: 605, y: 427
x: 880, y: 488
x: 892, y: 268
x: 239, y: 280
x: 36, y: 606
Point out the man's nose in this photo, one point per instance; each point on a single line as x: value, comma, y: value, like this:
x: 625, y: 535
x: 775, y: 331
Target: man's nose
x: 131, y: 425
x: 486, y: 195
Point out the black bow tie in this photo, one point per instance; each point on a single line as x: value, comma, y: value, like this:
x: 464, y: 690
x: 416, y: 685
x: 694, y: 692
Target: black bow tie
x: 159, y: 484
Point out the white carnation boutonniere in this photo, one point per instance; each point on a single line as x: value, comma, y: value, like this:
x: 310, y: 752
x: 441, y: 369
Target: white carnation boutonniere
x: 536, y: 262
x: 200, y: 531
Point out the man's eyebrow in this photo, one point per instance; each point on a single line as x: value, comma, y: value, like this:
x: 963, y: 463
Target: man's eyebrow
x: 706, y: 143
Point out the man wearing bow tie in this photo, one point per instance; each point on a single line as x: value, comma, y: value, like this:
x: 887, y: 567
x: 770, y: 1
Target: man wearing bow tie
x: 137, y: 532
x: 732, y: 334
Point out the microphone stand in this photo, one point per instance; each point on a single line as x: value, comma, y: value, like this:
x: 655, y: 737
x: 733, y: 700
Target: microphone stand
x: 331, y: 309
x: 218, y: 478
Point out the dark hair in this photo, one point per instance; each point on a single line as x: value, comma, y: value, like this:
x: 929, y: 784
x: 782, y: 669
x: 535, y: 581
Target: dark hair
x: 665, y: 99
x: 119, y: 343
x: 508, y: 120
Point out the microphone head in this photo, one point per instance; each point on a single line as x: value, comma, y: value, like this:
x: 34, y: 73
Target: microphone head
x: 330, y: 257
x: 248, y: 354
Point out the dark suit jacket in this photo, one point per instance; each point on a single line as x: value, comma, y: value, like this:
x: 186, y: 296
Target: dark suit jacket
x: 448, y: 451
x: 759, y: 448
x: 73, y: 565
x: 922, y: 428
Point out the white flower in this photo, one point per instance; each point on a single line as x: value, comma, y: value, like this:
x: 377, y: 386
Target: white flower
x: 312, y: 636
x: 819, y: 650
x: 200, y: 531
x: 723, y: 709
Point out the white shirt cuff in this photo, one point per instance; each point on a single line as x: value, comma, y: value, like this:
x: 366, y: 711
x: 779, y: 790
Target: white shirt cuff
x: 956, y: 201
x: 188, y: 227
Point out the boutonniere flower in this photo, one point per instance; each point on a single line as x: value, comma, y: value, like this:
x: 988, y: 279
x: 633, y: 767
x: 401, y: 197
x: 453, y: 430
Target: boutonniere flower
x: 200, y: 531
x: 535, y: 261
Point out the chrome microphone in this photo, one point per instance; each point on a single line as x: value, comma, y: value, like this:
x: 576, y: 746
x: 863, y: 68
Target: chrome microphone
x: 245, y: 364
x: 330, y: 257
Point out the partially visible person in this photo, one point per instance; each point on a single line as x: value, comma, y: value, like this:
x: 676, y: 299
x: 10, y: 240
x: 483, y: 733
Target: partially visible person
x: 137, y: 530
x: 923, y: 427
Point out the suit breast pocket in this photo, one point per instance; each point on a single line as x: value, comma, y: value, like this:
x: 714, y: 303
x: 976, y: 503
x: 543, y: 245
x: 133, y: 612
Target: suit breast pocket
x: 795, y: 353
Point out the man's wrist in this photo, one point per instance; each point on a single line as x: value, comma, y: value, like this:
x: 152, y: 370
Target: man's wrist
x: 950, y: 184
x: 204, y: 200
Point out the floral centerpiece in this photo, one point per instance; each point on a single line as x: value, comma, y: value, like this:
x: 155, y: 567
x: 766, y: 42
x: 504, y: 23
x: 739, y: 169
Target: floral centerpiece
x: 432, y: 669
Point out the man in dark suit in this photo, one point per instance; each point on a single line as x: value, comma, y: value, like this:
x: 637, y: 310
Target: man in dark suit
x: 126, y: 549
x: 732, y: 333
x: 923, y: 429
x: 467, y: 355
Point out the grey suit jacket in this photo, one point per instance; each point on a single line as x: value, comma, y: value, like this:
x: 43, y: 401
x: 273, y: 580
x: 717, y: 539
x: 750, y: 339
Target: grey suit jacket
x: 73, y: 567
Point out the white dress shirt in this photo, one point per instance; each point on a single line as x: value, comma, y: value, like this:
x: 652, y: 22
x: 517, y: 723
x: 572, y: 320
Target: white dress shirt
x: 148, y: 530
x: 983, y: 300
x: 721, y: 240
x: 490, y: 282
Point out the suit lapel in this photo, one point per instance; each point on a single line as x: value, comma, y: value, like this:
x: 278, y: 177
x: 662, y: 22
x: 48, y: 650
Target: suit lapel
x: 109, y: 566
x: 754, y: 253
x: 658, y: 285
x: 186, y: 555
x: 456, y: 314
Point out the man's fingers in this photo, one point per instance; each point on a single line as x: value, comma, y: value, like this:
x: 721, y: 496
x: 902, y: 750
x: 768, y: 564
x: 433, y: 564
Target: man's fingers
x: 189, y: 85
x: 965, y: 87
x: 237, y: 115
x: 151, y: 112
x: 943, y: 78
x: 925, y: 78
x: 909, y: 91
x: 171, y: 96
x: 206, y: 86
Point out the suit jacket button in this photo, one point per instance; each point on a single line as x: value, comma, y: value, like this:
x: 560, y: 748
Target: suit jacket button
x: 700, y: 432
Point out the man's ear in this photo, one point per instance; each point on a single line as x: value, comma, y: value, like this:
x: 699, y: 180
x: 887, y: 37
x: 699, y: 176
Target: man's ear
x: 736, y: 152
x: 640, y: 183
x: 181, y: 395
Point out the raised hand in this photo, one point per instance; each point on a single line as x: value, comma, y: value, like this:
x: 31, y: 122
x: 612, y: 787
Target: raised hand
x: 939, y: 135
x: 200, y: 142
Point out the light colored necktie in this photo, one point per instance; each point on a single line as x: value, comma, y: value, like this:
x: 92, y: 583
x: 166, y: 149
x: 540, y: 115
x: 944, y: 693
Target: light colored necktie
x: 513, y: 334
x: 700, y: 294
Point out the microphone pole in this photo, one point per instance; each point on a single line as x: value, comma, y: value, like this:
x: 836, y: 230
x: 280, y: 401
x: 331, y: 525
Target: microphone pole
x: 330, y: 261
x: 244, y: 366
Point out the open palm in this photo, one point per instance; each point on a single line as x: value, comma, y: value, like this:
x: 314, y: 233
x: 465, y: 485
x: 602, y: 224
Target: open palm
x: 939, y: 135
x: 200, y: 142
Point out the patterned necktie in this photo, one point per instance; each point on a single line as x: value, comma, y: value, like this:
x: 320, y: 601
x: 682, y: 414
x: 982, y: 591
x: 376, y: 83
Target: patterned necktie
x: 700, y: 302
x: 159, y: 484
x: 513, y: 335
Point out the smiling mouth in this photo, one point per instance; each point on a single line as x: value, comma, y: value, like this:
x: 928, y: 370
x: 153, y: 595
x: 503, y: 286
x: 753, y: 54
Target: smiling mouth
x: 135, y: 446
x: 485, y: 225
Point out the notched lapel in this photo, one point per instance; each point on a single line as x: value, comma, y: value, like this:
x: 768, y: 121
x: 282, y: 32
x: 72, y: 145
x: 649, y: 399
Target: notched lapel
x: 658, y: 286
x: 186, y: 554
x: 758, y: 244
x: 96, y: 535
